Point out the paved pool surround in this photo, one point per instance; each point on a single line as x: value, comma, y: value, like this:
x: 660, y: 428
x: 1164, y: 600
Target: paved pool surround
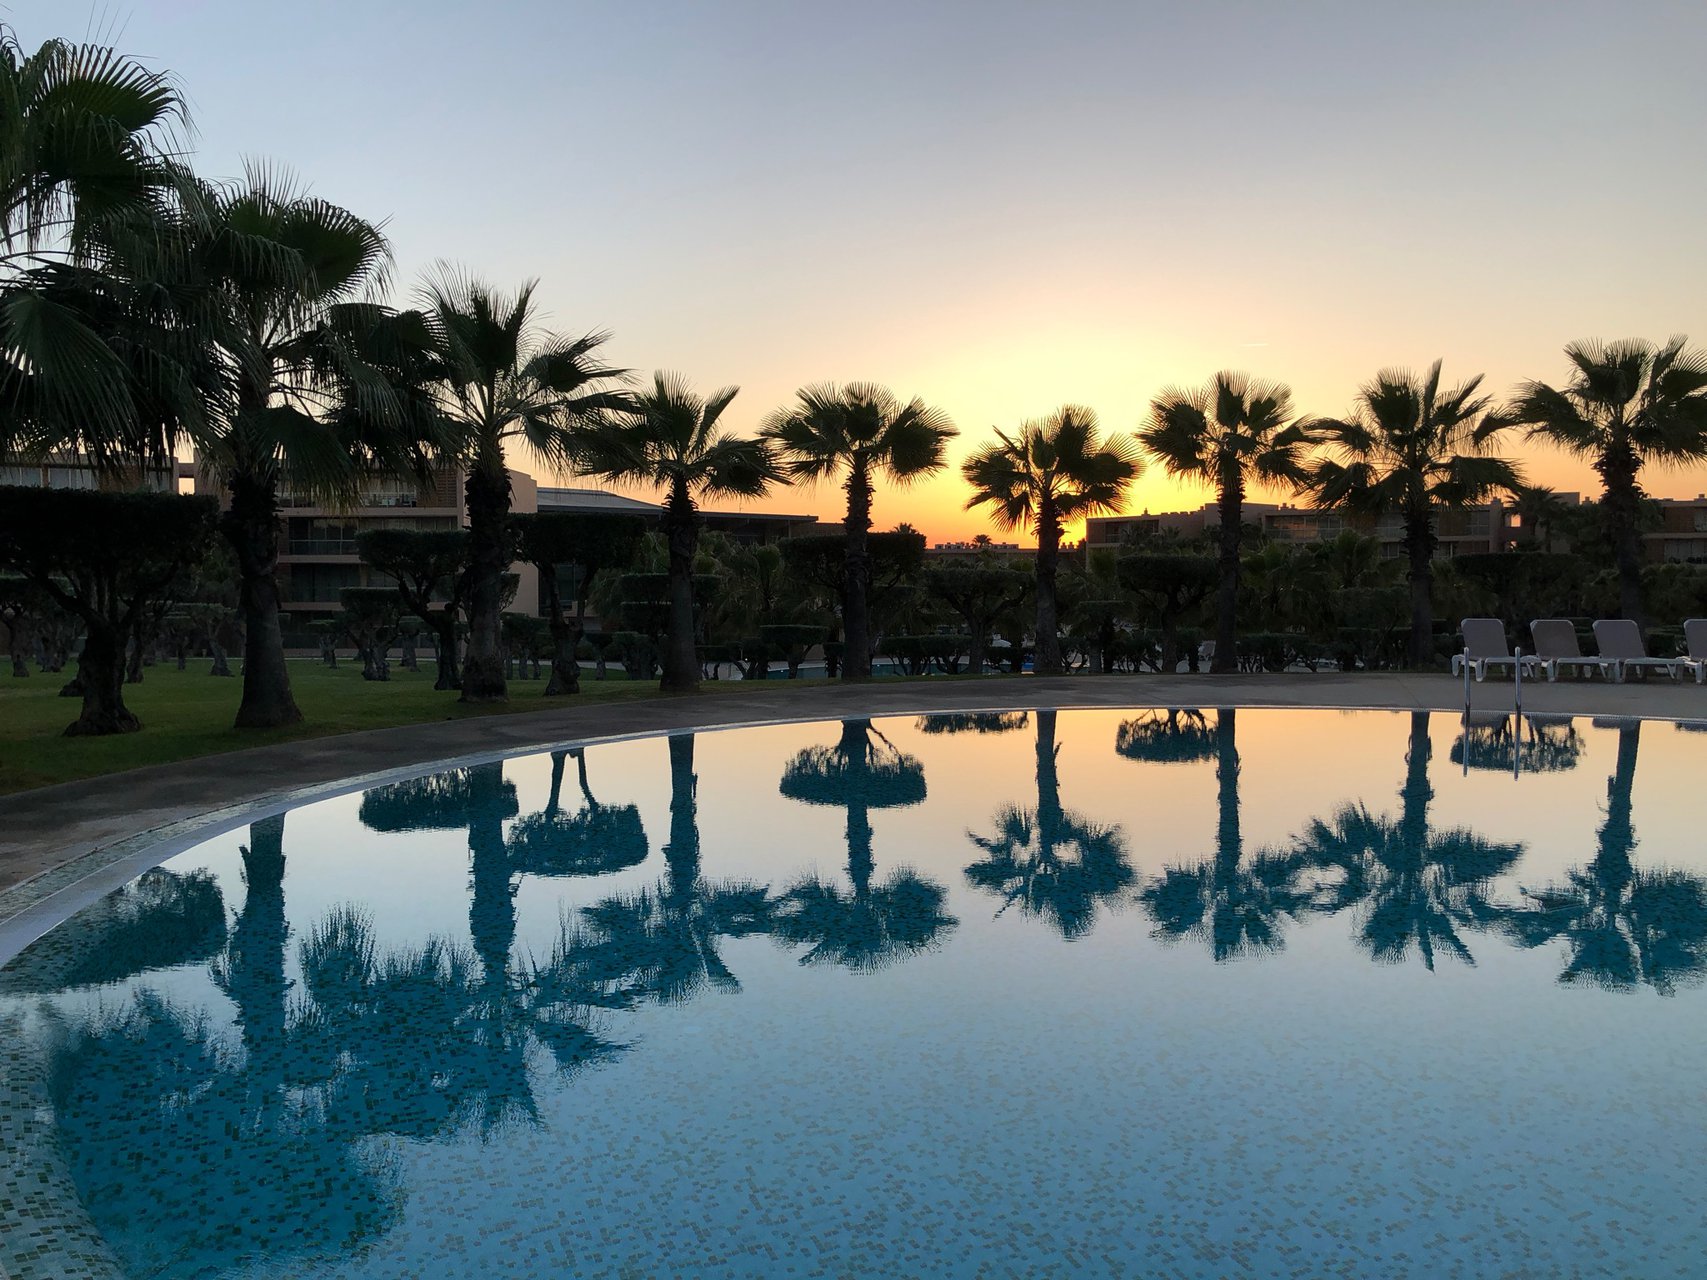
x: 63, y: 846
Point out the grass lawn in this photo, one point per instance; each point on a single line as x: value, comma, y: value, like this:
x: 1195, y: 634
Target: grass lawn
x: 188, y: 713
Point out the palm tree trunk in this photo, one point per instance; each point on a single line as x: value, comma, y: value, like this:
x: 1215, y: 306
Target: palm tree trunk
x: 255, y: 956
x: 491, y: 908
x: 1622, y: 502
x: 1419, y: 546
x: 1414, y: 799
x: 1048, y: 654
x: 565, y: 638
x: 681, y: 854
x: 488, y: 493
x: 1227, y: 594
x: 252, y: 528
x: 856, y: 585
x: 681, y: 666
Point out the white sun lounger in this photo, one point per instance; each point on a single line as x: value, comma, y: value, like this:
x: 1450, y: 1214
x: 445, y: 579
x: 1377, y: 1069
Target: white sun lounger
x: 1485, y: 646
x: 1621, y: 640
x: 1556, y: 646
x: 1695, y: 644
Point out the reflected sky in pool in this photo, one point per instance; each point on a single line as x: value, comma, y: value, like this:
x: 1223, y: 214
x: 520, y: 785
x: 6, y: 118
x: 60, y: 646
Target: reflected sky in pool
x: 1195, y: 993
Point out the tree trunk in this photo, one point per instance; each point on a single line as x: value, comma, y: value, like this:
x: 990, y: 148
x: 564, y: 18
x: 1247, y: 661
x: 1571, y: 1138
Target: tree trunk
x: 133, y: 661
x: 977, y: 646
x: 220, y: 666
x: 1047, y: 659
x: 100, y: 672
x: 488, y: 492
x: 444, y: 631
x: 251, y: 526
x: 1227, y: 593
x: 565, y: 639
x: 1419, y: 546
x: 681, y: 666
x: 856, y: 577
x: 406, y: 655
x: 1622, y: 501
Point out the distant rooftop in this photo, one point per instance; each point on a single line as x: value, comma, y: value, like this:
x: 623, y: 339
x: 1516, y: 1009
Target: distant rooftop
x: 603, y: 500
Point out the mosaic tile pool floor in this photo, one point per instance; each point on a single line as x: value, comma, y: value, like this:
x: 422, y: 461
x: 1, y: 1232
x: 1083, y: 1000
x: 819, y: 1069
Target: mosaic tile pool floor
x: 1188, y: 994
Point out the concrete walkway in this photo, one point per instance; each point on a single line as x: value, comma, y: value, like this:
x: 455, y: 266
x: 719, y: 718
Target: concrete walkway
x: 64, y: 845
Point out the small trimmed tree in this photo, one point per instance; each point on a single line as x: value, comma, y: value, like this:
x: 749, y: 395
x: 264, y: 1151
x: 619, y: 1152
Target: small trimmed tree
x: 370, y: 620
x: 791, y: 641
x: 430, y: 568
x: 592, y: 544
x: 105, y: 558
x: 1173, y: 586
x: 980, y: 594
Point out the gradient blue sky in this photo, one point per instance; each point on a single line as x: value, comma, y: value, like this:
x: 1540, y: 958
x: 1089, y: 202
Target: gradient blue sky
x: 998, y: 206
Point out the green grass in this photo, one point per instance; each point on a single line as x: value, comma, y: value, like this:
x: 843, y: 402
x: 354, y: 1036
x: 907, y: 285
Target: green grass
x: 186, y: 714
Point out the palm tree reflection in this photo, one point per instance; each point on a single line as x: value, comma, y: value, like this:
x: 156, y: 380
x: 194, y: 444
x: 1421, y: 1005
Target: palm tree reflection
x: 1624, y: 927
x: 868, y: 927
x: 1235, y: 906
x: 664, y: 943
x: 1412, y: 887
x: 1048, y: 860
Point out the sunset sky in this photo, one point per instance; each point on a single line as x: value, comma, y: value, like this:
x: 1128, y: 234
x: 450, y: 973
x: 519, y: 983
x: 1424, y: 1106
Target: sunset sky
x: 999, y: 207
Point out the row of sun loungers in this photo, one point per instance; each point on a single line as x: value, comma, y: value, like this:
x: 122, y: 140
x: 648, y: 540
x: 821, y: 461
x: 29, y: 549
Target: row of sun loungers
x: 1618, y: 639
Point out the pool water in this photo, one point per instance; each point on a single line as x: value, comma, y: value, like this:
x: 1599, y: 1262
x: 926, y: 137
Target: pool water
x: 1176, y: 993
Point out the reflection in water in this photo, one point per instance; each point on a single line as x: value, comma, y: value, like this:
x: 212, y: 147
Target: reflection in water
x: 599, y: 839
x: 1236, y: 906
x: 1053, y: 862
x: 1177, y: 735
x: 1624, y: 927
x: 869, y: 927
x: 1410, y: 886
x: 662, y: 944
x: 973, y: 722
x: 163, y: 918
x: 1487, y: 740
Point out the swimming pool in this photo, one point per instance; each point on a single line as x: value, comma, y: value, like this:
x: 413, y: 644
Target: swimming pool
x: 1180, y: 992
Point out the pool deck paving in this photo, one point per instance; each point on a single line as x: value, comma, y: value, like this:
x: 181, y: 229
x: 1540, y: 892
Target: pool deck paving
x: 63, y: 845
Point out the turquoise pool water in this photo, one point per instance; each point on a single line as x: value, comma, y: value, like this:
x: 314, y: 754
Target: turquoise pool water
x: 1174, y: 993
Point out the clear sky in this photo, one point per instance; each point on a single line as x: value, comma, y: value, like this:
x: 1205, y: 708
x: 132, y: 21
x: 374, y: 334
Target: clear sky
x: 998, y: 206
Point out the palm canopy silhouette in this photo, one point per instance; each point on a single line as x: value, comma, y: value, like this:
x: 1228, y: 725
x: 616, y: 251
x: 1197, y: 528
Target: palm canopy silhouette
x: 664, y: 943
x: 1412, y: 887
x: 595, y: 841
x: 869, y: 927
x: 1048, y: 860
x: 1625, y: 927
x: 1236, y: 906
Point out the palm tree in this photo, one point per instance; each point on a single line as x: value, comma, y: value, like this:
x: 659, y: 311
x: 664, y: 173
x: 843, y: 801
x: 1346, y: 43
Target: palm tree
x: 1410, y: 448
x: 87, y: 131
x: 1625, y: 926
x: 667, y: 437
x: 1412, y: 886
x: 1049, y: 860
x: 1051, y: 471
x: 1232, y: 433
x: 1627, y: 403
x: 868, y: 928
x: 1234, y: 905
x: 501, y: 380
x: 865, y: 430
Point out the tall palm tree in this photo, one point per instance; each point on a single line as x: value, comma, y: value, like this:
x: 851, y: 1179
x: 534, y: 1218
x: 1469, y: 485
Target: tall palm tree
x: 1232, y: 433
x: 1049, y: 472
x: 502, y: 380
x: 1051, y: 861
x: 1236, y: 905
x: 85, y: 135
x: 1410, y: 448
x: 315, y: 396
x: 871, y: 927
x: 667, y: 437
x: 865, y: 430
x: 1627, y: 404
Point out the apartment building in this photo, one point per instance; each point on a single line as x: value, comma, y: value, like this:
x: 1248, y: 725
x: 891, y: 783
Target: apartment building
x: 1484, y: 528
